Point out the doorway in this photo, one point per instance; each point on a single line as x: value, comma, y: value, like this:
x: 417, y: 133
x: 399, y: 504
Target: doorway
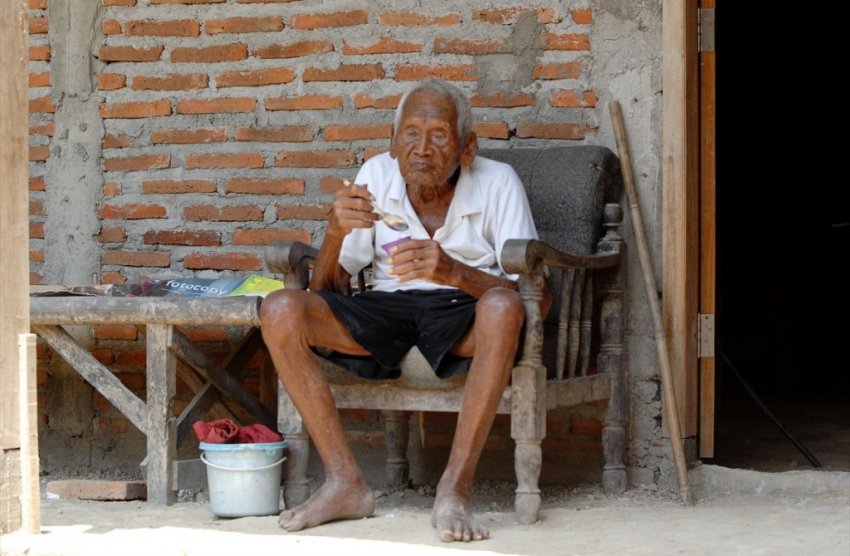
x: 783, y: 230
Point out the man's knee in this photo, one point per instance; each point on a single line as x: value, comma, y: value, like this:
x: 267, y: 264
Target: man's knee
x: 501, y: 307
x: 283, y: 310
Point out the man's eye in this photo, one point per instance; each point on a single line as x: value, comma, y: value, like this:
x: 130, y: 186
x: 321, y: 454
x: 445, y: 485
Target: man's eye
x: 439, y: 138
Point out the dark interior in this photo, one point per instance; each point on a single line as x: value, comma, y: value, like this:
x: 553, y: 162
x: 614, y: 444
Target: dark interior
x: 783, y: 244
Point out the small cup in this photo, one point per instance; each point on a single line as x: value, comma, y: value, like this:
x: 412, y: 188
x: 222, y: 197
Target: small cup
x: 388, y: 247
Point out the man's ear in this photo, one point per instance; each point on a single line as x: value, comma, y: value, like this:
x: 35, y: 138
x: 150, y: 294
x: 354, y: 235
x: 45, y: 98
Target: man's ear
x: 393, y: 150
x: 467, y: 155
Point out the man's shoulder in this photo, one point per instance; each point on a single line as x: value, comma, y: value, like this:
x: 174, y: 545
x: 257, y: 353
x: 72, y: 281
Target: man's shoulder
x: 379, y: 173
x: 380, y: 162
x: 494, y: 173
x: 489, y: 167
x: 483, y: 163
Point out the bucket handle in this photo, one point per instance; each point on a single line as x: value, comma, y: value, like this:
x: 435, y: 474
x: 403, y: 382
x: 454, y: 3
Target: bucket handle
x: 211, y: 464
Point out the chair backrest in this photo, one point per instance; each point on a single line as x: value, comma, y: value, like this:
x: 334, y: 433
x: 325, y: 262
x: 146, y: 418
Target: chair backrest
x: 567, y: 188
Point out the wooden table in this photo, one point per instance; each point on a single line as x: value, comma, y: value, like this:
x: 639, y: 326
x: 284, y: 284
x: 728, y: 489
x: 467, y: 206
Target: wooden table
x: 168, y: 353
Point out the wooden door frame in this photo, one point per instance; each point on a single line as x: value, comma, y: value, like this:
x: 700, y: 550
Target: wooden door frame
x: 708, y: 235
x: 14, y: 246
x: 14, y: 210
x: 680, y: 202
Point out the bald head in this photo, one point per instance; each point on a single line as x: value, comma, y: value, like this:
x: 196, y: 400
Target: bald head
x: 442, y: 89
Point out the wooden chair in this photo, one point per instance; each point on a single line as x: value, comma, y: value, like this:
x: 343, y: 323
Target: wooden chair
x: 574, y: 357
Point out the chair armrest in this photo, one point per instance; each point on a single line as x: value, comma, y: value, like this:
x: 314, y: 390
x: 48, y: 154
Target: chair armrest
x: 292, y: 259
x: 522, y: 256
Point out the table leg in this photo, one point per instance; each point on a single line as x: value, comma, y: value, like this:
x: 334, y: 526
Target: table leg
x: 162, y: 434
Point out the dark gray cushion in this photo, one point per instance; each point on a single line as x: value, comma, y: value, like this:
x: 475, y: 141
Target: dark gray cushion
x: 567, y: 188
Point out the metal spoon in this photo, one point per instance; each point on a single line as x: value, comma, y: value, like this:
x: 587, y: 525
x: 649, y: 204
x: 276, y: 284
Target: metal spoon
x: 393, y: 221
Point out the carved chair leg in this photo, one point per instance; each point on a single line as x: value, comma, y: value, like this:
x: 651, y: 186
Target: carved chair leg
x: 611, y: 360
x: 397, y: 425
x: 614, y: 437
x: 290, y: 425
x: 528, y: 459
x: 528, y: 422
x: 614, y: 449
x: 528, y: 405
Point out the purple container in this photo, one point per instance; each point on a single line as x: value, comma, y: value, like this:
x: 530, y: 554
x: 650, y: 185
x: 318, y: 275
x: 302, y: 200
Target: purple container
x: 388, y: 247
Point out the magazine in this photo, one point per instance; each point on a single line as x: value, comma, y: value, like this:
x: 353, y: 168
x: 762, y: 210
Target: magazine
x: 211, y: 287
x: 257, y: 285
x: 194, y: 287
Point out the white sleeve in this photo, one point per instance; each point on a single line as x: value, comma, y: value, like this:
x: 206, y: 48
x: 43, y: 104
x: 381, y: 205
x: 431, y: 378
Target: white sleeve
x: 512, y: 217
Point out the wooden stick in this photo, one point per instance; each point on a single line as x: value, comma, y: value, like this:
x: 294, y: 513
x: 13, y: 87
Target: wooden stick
x: 30, y: 504
x: 669, y: 407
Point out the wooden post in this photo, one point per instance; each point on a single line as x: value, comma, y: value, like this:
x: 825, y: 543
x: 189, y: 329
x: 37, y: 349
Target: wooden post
x: 162, y: 425
x: 30, y: 502
x: 708, y: 245
x: 14, y: 244
x: 680, y: 202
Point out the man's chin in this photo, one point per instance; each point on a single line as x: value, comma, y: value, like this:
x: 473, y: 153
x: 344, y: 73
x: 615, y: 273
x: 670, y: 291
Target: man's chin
x: 419, y: 178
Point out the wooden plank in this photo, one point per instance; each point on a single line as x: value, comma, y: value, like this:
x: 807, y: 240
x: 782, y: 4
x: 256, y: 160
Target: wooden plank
x: 357, y: 396
x: 96, y: 374
x: 202, y: 402
x: 162, y: 430
x: 708, y: 231
x: 207, y: 396
x: 238, y: 310
x: 577, y: 390
x: 680, y: 209
x: 223, y: 380
x: 30, y: 499
x: 14, y: 210
x: 558, y: 394
x: 207, y: 399
x: 268, y: 383
x: 238, y: 359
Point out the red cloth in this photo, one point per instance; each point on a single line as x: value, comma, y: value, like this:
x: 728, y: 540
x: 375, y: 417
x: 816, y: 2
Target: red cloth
x: 225, y: 431
x: 250, y: 434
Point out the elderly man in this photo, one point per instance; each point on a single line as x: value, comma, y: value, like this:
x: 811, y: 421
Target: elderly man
x: 443, y: 290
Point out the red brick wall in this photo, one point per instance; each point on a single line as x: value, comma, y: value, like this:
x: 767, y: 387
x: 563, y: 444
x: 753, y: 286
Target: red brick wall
x: 228, y: 124
x: 237, y: 123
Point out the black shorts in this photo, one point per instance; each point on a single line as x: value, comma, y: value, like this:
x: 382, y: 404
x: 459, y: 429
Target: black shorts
x: 388, y: 324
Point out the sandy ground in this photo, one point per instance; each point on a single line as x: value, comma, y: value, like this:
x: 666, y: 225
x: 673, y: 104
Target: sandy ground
x: 576, y: 521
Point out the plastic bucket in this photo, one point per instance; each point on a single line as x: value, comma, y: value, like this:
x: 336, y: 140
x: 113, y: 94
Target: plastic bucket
x: 243, y: 479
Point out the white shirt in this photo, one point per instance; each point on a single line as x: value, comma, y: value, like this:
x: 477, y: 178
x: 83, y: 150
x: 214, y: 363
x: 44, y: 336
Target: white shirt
x: 488, y: 208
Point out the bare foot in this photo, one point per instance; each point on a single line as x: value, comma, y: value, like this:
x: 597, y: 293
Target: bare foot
x: 453, y: 520
x: 333, y: 501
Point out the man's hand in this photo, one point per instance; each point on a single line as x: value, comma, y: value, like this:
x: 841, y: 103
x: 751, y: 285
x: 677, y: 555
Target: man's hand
x: 423, y: 259
x: 351, y: 209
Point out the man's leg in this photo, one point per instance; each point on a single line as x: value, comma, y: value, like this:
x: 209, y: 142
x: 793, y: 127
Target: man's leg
x: 492, y: 344
x: 291, y: 322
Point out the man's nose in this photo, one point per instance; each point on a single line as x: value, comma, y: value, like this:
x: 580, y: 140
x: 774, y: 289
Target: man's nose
x: 424, y: 145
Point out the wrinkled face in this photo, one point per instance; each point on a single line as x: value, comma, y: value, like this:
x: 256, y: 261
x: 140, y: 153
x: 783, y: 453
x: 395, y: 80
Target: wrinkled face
x: 426, y: 144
